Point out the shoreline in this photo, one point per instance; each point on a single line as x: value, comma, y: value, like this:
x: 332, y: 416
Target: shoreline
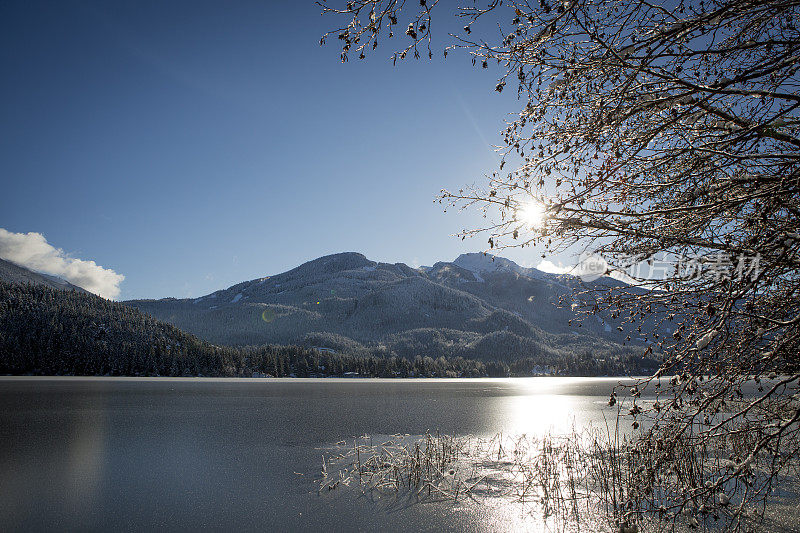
x: 353, y: 379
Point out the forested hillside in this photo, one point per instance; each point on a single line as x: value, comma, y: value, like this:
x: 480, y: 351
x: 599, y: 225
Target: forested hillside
x: 46, y: 331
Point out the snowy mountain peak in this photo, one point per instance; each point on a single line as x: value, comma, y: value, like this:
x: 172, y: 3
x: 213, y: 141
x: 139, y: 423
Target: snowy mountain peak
x: 335, y: 263
x: 480, y: 262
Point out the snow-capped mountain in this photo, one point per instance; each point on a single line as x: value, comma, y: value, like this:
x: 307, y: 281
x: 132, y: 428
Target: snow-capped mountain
x: 475, y: 306
x: 480, y: 263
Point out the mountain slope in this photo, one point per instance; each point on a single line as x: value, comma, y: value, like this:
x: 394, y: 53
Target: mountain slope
x: 46, y: 331
x: 13, y: 273
x: 471, y: 308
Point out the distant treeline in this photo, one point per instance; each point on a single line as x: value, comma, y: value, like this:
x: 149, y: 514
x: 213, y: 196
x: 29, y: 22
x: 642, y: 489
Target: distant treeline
x: 45, y: 331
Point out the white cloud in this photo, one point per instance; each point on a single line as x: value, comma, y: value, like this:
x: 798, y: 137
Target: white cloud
x: 32, y: 251
x: 551, y: 268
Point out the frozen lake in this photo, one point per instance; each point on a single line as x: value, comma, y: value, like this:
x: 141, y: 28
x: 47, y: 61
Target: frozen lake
x: 188, y: 453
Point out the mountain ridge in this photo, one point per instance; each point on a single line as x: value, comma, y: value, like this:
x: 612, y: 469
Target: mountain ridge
x: 474, y: 307
x: 11, y: 272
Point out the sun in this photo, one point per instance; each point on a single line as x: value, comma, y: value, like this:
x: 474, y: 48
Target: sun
x: 531, y: 214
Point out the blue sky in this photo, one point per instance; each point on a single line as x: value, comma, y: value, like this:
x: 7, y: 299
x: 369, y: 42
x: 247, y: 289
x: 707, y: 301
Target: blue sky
x: 193, y: 145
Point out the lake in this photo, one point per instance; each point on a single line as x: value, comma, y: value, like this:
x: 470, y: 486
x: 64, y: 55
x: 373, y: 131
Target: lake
x: 192, y: 453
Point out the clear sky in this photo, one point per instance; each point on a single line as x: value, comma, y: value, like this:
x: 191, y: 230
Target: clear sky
x: 193, y: 145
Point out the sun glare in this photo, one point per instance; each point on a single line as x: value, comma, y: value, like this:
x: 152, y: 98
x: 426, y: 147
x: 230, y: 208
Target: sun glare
x: 531, y: 214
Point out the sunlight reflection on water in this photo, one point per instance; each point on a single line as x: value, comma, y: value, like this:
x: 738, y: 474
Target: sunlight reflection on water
x: 540, y: 414
x: 555, y: 406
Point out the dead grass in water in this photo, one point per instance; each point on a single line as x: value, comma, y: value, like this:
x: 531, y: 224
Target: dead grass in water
x: 577, y: 481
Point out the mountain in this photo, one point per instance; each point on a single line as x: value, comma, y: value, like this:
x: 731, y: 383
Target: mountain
x: 480, y: 263
x: 472, y: 307
x: 13, y: 273
x: 47, y: 331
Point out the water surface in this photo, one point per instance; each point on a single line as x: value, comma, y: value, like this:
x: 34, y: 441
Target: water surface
x: 186, y: 453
